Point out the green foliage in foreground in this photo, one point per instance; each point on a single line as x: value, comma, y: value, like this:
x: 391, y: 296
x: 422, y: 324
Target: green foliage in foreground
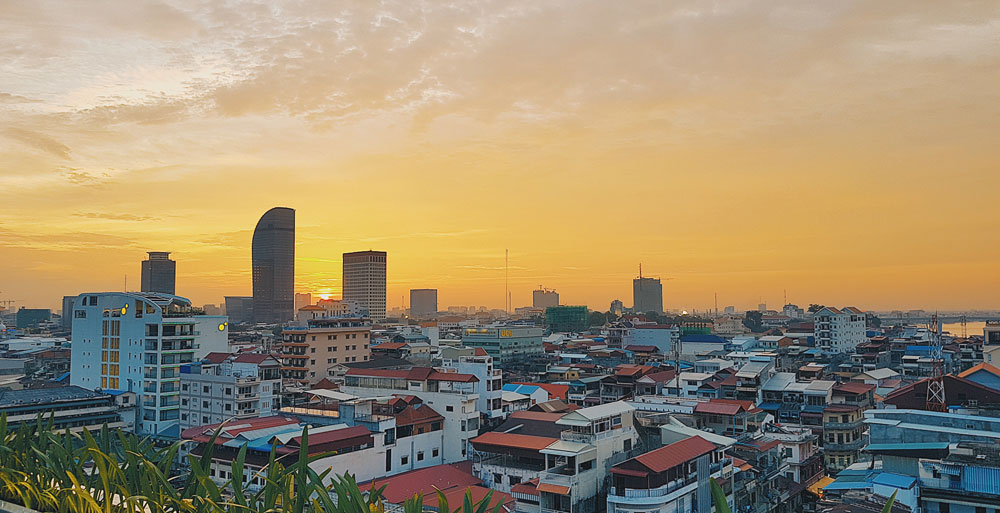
x: 117, y: 472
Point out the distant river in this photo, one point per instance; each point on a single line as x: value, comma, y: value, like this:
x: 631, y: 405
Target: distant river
x: 973, y: 328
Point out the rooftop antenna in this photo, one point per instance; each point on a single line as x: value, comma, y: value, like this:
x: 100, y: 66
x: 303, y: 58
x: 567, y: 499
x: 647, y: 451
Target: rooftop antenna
x: 126, y: 283
x: 785, y: 291
x: 935, y: 384
x: 506, y: 280
x: 716, y: 303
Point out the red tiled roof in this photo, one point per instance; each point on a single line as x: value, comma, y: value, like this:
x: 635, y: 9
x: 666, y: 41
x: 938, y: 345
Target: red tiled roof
x: 669, y: 456
x: 417, y: 414
x: 479, y: 352
x: 642, y: 349
x: 551, y: 488
x: 400, y: 487
x: 853, y: 388
x: 764, y: 444
x: 389, y: 346
x: 335, y: 435
x: 456, y: 496
x: 661, y: 377
x: 414, y: 374
x: 981, y: 367
x: 513, y: 440
x: 723, y: 407
x: 325, y: 384
x: 529, y: 487
x: 232, y: 429
x: 216, y: 357
x: 555, y: 391
x: 251, y: 358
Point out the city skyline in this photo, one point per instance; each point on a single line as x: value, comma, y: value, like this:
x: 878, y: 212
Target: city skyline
x: 840, y: 152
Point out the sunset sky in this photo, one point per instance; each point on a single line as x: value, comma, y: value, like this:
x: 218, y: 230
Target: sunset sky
x: 847, y: 152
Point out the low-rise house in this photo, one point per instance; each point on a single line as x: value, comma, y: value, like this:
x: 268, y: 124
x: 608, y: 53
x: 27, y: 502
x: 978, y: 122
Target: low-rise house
x: 729, y: 417
x: 675, y: 477
x: 454, y: 395
x: 229, y: 386
x: 576, y: 476
x: 71, y: 407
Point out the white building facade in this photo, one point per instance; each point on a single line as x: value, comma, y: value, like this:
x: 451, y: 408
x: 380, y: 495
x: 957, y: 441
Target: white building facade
x: 839, y: 330
x: 136, y: 342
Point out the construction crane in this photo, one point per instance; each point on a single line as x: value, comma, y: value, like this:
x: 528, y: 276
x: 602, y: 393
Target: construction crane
x: 935, y: 384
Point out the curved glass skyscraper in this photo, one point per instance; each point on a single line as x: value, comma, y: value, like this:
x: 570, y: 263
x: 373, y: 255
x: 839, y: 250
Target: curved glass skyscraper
x: 273, y: 255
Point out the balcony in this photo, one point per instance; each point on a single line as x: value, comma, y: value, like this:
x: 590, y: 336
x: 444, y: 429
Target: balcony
x: 856, y: 445
x: 677, y: 487
x: 843, y: 425
x: 573, y: 436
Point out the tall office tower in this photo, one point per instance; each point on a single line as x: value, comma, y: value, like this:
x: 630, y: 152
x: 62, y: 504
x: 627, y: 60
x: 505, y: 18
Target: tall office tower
x: 137, y: 342
x: 239, y: 309
x: 647, y: 295
x: 544, y: 298
x: 423, y: 303
x: 273, y: 257
x: 67, y: 311
x: 364, y: 281
x: 159, y: 273
x: 302, y: 299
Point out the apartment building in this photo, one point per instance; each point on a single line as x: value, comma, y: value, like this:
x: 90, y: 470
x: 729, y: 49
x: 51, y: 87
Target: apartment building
x: 454, y: 395
x: 839, y: 330
x: 309, y: 353
x: 844, y: 433
x: 506, y: 344
x: 477, y: 362
x: 673, y: 478
x: 364, y: 281
x: 577, y: 475
x: 136, y: 342
x: 71, y: 407
x: 226, y: 386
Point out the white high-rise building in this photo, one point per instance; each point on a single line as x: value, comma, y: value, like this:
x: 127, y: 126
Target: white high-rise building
x: 136, y: 342
x: 839, y: 331
x: 364, y: 281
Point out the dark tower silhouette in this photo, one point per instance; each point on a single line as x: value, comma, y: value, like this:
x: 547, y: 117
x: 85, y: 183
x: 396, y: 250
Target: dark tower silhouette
x: 159, y: 273
x: 273, y: 256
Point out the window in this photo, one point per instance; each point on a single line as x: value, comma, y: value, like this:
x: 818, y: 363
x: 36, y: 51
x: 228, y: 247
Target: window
x: 312, y: 349
x: 312, y: 362
x: 420, y: 456
x: 229, y: 407
x: 229, y: 391
x: 449, y: 408
x: 627, y: 445
x: 329, y: 349
x: 404, y: 460
x: 184, y: 387
x: 204, y: 404
x: 498, y: 478
x: 514, y: 480
x: 434, y: 452
x: 204, y: 389
x: 314, y: 337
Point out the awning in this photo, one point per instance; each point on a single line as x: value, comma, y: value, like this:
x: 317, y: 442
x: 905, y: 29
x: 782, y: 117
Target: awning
x: 817, y: 487
x: 551, y: 488
x: 331, y: 394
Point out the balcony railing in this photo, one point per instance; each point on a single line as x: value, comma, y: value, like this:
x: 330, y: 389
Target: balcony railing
x: 660, y: 491
x: 843, y: 425
x: 574, y: 436
x: 845, y: 446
